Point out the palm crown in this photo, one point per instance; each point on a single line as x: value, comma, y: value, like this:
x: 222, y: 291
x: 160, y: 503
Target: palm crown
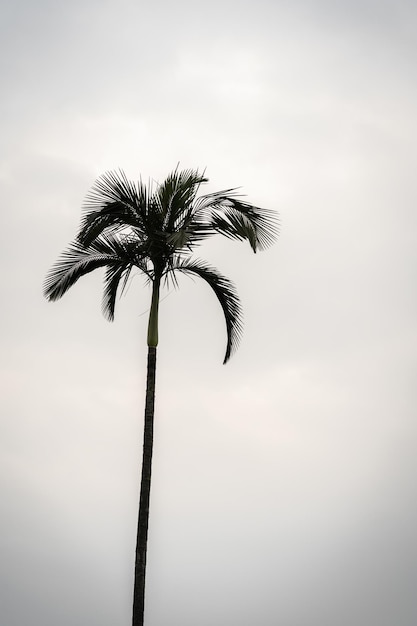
x: 127, y: 225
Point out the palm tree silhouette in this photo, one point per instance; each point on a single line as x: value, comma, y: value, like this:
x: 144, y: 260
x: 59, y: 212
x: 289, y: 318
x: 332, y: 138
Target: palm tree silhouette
x: 128, y: 225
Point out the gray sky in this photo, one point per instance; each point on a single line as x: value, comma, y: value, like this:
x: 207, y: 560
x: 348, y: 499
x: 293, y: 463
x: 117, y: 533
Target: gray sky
x: 284, y: 483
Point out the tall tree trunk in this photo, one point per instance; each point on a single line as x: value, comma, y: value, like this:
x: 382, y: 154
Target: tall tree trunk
x: 145, y: 488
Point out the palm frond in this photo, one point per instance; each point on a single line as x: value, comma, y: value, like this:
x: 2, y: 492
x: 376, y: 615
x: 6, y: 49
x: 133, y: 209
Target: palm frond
x: 175, y: 197
x: 113, y: 202
x: 114, y: 274
x: 224, y: 213
x: 226, y: 294
x: 76, y: 261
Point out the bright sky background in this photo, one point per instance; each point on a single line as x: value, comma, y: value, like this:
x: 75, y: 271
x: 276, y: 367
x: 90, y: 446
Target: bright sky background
x: 284, y: 488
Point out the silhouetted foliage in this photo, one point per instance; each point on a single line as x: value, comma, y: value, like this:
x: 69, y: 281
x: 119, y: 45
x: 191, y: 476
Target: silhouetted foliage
x: 128, y: 225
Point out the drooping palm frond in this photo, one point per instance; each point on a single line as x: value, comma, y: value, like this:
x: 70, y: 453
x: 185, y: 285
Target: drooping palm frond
x: 114, y: 274
x: 117, y: 275
x: 78, y: 260
x: 75, y: 261
x: 226, y: 294
x: 224, y: 213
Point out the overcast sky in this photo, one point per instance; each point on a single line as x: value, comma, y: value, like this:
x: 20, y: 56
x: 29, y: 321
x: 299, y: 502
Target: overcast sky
x: 284, y: 488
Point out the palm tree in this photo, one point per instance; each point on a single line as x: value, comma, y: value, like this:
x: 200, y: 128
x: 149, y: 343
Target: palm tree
x: 129, y: 225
